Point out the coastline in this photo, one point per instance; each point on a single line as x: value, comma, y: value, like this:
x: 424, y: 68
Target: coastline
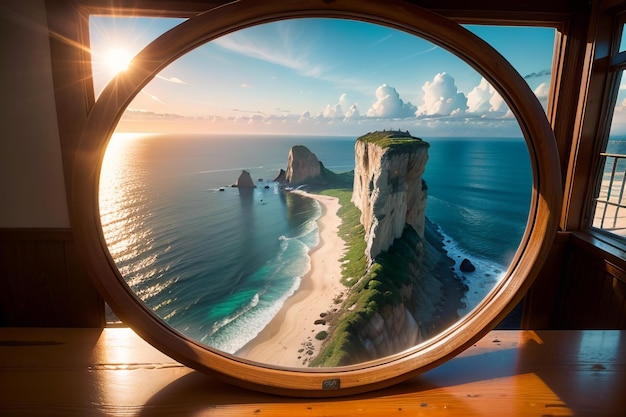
x: 289, y: 338
x: 453, y: 286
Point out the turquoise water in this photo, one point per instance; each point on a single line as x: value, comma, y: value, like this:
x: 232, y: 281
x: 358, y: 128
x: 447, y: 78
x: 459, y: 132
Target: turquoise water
x: 218, y: 263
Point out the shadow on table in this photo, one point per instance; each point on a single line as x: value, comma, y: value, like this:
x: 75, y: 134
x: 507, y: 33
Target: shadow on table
x: 196, y: 392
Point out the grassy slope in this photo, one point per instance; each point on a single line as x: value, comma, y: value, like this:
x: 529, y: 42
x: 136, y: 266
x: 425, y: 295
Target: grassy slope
x: 370, y: 289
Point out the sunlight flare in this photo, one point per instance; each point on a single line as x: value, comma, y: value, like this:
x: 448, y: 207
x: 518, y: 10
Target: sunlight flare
x: 117, y: 60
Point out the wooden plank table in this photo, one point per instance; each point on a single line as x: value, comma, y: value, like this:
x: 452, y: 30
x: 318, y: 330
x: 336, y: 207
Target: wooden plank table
x: 112, y: 372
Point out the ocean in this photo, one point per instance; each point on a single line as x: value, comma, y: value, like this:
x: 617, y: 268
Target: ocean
x: 217, y: 263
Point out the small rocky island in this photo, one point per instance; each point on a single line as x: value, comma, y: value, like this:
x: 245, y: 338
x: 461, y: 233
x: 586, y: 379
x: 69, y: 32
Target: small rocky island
x: 303, y: 168
x: 244, y: 180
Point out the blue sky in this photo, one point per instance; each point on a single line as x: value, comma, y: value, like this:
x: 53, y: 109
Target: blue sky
x: 321, y: 76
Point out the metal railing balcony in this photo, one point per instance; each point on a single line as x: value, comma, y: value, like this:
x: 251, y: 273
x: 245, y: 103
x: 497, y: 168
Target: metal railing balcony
x: 610, y: 204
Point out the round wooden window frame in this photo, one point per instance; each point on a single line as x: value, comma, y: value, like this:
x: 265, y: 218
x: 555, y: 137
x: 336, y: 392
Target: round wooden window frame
x: 324, y: 382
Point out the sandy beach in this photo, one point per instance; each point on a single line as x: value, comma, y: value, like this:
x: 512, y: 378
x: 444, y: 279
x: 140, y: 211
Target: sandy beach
x: 289, y: 339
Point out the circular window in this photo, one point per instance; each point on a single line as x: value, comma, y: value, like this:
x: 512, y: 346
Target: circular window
x: 330, y: 381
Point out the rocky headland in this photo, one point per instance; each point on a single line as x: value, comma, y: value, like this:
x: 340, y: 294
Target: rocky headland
x: 388, y: 187
x: 408, y: 291
x: 302, y: 165
x: 303, y: 168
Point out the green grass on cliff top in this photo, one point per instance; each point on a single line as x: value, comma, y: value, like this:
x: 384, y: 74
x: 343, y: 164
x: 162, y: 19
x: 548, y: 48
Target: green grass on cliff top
x: 393, y: 139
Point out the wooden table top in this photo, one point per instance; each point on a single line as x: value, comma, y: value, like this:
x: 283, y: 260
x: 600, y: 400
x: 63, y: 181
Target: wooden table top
x: 113, y: 372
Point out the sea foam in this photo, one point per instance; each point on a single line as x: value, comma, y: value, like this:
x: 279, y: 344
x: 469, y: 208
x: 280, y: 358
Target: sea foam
x: 479, y: 282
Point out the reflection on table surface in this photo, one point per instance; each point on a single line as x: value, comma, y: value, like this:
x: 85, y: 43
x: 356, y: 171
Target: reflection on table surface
x: 114, y: 372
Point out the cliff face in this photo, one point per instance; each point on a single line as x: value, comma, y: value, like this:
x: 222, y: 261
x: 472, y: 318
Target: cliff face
x: 388, y: 187
x: 389, y: 331
x: 302, y: 165
x: 408, y: 292
x: 390, y: 192
x: 418, y: 315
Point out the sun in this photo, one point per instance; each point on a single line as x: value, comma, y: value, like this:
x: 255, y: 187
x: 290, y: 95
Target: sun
x: 117, y: 60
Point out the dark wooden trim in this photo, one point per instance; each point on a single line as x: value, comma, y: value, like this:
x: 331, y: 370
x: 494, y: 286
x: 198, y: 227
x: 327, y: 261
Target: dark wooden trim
x: 155, y: 8
x: 599, y: 248
x: 19, y: 234
x: 535, y: 12
x: 572, y: 63
x: 71, y: 75
x: 541, y: 300
x: 616, y: 271
x: 591, y: 121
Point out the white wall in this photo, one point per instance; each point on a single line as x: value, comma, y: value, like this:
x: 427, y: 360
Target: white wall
x: 32, y: 191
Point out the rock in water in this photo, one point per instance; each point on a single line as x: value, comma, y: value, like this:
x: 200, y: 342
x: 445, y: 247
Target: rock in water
x: 244, y: 180
x: 302, y: 165
x: 467, y: 266
x: 281, y: 178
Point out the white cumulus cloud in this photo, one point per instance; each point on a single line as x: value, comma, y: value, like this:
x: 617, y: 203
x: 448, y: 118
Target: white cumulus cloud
x: 343, y: 100
x: 484, y: 99
x: 332, y: 112
x: 306, y: 116
x: 441, y: 97
x: 542, y: 91
x: 389, y: 104
x: 352, y: 113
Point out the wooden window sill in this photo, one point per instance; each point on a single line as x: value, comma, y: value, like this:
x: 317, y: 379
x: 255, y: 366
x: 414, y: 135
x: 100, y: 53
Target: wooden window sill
x: 65, y: 372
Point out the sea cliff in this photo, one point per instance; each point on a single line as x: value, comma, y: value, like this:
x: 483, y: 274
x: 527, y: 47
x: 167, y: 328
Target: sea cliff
x: 388, y: 186
x: 304, y: 169
x: 302, y: 165
x: 406, y: 291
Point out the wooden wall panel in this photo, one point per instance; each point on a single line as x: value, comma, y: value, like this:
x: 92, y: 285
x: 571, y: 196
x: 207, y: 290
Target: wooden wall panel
x: 43, y: 282
x: 592, y: 293
x: 579, y: 287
